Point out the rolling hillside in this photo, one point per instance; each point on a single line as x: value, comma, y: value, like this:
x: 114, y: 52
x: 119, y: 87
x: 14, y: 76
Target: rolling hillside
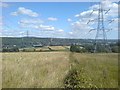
x: 30, y: 41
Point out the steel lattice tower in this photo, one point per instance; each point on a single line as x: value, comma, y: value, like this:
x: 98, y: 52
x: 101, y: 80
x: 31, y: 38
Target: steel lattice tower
x: 101, y: 37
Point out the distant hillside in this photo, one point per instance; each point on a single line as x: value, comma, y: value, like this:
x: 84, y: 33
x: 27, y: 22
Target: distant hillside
x: 30, y: 41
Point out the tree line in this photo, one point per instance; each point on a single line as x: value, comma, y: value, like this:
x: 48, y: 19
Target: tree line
x: 114, y: 48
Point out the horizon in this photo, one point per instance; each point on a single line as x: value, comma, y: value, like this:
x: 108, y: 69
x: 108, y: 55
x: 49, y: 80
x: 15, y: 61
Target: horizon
x: 55, y: 38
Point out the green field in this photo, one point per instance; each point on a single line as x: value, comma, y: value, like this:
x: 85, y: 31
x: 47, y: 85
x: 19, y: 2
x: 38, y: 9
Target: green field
x: 50, y: 69
x: 46, y: 49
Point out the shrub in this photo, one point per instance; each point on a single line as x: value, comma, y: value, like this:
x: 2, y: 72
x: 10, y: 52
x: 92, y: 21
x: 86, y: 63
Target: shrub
x: 71, y: 81
x: 28, y: 50
x: 115, y: 49
x: 14, y: 49
x: 76, y: 79
x: 77, y: 48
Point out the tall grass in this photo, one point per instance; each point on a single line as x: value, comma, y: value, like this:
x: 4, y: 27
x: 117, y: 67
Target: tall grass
x: 0, y: 71
x: 94, y: 71
x: 39, y: 70
x: 53, y: 69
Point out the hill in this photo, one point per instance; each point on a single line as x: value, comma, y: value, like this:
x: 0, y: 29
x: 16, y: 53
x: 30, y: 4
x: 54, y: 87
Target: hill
x: 30, y: 41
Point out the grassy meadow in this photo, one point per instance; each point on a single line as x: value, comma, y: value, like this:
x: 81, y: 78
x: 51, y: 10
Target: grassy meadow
x: 0, y: 70
x: 99, y: 70
x: 50, y: 69
x: 34, y: 69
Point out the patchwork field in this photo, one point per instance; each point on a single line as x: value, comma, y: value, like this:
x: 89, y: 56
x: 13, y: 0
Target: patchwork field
x: 50, y: 69
x: 46, y: 49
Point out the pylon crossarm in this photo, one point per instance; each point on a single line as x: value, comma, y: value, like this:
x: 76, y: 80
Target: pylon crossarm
x: 107, y: 11
x: 91, y: 30
x: 88, y: 22
x: 93, y: 11
x: 91, y: 21
x: 110, y: 21
x: 108, y: 30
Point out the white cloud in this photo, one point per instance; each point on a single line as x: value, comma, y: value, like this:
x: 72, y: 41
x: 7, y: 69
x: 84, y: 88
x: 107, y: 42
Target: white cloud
x: 24, y: 11
x: 78, y: 25
x: 114, y: 10
x: 80, y: 28
x: 1, y: 23
x: 31, y: 21
x: 3, y: 4
x: 86, y: 14
x: 12, y: 33
x: 69, y: 20
x: 70, y: 32
x: 38, y: 27
x: 106, y: 5
x: 35, y: 23
x: 46, y: 27
x: 94, y: 7
x: 52, y: 19
x: 61, y: 30
x: 77, y: 15
x: 14, y: 13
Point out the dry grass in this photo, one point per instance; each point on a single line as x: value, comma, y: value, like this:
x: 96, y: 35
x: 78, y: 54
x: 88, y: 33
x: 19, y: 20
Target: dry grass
x: 42, y: 49
x: 58, y: 47
x: 98, y: 70
x: 34, y: 69
x: 0, y: 70
x: 48, y: 69
x: 54, y: 48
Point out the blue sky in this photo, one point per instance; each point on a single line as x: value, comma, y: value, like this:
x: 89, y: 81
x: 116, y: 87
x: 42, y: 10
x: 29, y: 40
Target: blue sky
x: 52, y: 19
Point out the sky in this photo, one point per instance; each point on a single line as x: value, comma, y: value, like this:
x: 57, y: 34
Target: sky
x: 57, y: 19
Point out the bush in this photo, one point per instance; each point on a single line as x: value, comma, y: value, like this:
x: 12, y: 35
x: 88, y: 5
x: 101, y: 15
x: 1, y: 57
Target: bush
x: 5, y: 50
x: 28, y: 50
x: 77, y: 48
x: 89, y: 48
x: 72, y: 79
x: 75, y: 79
x: 115, y: 49
x: 14, y: 49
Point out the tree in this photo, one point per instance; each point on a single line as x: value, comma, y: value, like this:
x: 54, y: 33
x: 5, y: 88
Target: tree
x: 14, y: 49
x: 77, y: 48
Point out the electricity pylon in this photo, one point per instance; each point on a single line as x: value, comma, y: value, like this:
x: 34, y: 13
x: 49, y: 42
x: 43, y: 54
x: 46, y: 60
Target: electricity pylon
x: 101, y: 37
